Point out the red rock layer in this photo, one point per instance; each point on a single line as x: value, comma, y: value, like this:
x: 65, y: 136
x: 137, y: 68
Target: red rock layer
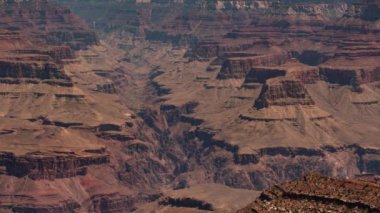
x: 318, y: 193
x: 36, y: 38
x: 283, y: 92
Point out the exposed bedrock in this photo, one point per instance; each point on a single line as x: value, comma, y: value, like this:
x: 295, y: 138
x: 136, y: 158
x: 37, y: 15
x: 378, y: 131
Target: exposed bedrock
x: 347, y: 76
x: 49, y: 24
x: 56, y: 82
x: 106, y: 88
x: 75, y: 39
x: 239, y: 67
x: 336, y: 75
x: 270, y: 171
x: 100, y: 203
x: 175, y: 39
x: 305, y: 74
x: 110, y: 203
x: 59, y: 53
x: 151, y: 118
x: 265, y: 167
x: 268, y: 166
x: 209, y: 49
x: 169, y: 153
x: 50, y: 165
x: 206, y: 136
x: 176, y: 114
x: 283, y: 92
x: 245, y: 159
x: 115, y: 132
x: 315, y: 192
x: 61, y: 207
x: 143, y: 171
x: 117, y: 136
x: 350, y: 76
x: 273, y: 169
x: 13, y: 69
x: 206, y: 49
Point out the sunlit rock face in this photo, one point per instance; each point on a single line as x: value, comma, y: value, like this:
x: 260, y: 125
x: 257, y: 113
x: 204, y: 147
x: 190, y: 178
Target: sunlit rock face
x: 144, y: 98
x: 41, y: 101
x: 302, y: 195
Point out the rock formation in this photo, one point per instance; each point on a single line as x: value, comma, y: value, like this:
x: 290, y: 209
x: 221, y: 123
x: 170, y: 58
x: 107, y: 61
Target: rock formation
x: 54, y: 155
x: 171, y: 95
x: 318, y: 193
x: 283, y: 92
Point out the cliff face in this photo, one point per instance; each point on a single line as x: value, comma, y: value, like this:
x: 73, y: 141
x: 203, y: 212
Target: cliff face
x: 239, y: 67
x: 318, y: 193
x: 54, y: 156
x: 246, y: 94
x: 251, y: 93
x: 282, y: 92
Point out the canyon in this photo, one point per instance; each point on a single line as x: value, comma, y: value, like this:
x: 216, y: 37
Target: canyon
x: 191, y: 106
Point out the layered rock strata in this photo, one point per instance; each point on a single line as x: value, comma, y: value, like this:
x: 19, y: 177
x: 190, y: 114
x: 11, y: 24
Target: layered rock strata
x: 245, y: 96
x: 283, y: 92
x: 318, y: 193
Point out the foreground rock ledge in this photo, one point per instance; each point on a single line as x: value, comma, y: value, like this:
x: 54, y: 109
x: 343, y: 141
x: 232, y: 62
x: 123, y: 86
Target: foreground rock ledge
x: 315, y: 193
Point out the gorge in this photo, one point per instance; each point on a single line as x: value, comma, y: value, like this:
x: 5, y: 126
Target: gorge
x: 189, y: 106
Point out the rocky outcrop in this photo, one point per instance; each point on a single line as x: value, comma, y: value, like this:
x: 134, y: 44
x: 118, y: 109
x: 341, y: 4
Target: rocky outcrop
x: 239, y: 67
x: 292, y: 69
x: 274, y: 45
x: 13, y: 69
x: 60, y: 53
x: 61, y: 207
x: 176, y: 114
x: 306, y: 76
x: 283, y: 92
x: 318, y: 193
x: 117, y: 136
x: 57, y: 53
x: 349, y: 76
x: 208, y: 49
x: 109, y: 203
x: 75, y: 39
x: 37, y: 44
x: 106, y: 88
x: 55, y: 20
x: 176, y: 39
x: 50, y: 165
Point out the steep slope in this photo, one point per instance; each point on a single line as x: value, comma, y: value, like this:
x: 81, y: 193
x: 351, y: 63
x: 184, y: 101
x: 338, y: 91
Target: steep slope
x: 65, y: 137
x: 180, y: 95
x: 250, y: 96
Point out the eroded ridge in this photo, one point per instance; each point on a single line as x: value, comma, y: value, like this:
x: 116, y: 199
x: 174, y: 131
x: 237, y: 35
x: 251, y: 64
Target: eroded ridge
x: 318, y: 193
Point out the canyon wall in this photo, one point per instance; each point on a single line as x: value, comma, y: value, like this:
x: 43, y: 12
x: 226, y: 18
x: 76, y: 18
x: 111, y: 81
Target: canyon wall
x: 173, y: 94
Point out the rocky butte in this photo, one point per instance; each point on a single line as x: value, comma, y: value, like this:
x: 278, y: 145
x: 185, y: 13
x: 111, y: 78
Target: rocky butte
x: 189, y: 106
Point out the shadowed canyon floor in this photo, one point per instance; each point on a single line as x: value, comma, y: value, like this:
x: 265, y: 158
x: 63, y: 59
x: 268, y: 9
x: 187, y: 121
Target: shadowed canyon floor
x: 189, y: 106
